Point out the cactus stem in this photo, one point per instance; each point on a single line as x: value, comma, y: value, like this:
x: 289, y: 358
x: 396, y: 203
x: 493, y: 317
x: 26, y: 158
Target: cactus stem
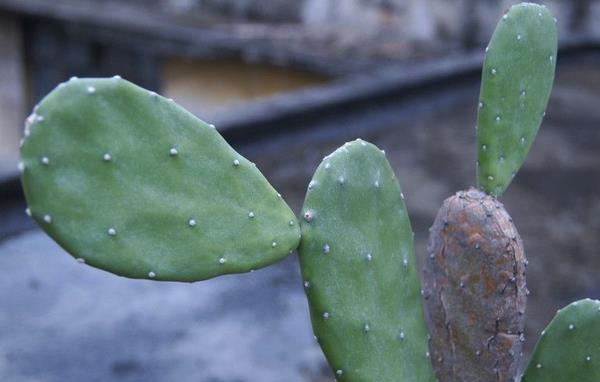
x: 146, y: 192
x: 375, y: 224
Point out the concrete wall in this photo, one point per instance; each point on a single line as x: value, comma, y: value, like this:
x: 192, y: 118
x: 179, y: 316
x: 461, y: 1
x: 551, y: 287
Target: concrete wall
x: 468, y: 21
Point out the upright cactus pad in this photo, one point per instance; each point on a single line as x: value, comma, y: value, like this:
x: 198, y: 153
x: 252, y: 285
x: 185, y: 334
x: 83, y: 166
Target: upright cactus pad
x: 359, y: 270
x: 129, y: 182
x: 569, y: 348
x: 517, y: 79
x: 475, y: 292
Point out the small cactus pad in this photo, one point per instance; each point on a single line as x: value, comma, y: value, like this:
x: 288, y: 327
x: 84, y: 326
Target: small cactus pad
x: 475, y: 292
x: 569, y: 348
x: 359, y: 270
x: 129, y: 182
x: 517, y: 79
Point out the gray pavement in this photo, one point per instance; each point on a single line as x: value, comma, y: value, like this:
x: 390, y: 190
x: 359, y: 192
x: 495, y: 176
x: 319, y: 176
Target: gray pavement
x: 63, y: 321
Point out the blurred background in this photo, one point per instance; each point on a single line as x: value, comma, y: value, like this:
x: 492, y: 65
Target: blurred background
x: 286, y: 82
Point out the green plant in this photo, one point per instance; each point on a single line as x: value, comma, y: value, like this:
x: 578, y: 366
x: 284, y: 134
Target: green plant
x: 568, y: 348
x: 360, y: 272
x: 129, y: 182
x: 474, y: 279
x: 517, y: 78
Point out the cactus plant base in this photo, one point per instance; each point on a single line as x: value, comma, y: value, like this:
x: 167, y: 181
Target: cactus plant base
x: 475, y: 292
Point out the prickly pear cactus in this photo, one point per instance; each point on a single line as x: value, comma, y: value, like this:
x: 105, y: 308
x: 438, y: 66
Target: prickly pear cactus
x: 517, y: 79
x: 569, y: 348
x: 359, y: 270
x: 129, y: 182
x: 475, y: 292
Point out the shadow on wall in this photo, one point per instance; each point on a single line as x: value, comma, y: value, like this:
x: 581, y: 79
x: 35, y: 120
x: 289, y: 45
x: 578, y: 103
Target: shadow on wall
x: 12, y: 105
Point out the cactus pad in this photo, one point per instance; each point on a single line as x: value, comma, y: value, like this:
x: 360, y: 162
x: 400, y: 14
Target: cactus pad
x: 475, y: 292
x: 569, y: 348
x: 517, y: 79
x: 129, y: 182
x: 359, y: 270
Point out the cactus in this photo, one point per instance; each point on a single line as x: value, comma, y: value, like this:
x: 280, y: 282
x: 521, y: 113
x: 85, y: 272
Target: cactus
x: 475, y: 291
x: 359, y: 270
x: 127, y: 181
x: 517, y: 79
x: 569, y: 348
x: 475, y: 276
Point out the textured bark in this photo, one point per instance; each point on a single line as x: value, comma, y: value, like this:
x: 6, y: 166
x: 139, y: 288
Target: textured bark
x: 475, y: 290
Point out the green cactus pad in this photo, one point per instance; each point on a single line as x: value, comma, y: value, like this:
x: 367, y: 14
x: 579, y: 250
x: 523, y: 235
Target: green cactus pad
x: 517, y: 79
x: 359, y: 270
x: 569, y: 348
x: 129, y: 182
